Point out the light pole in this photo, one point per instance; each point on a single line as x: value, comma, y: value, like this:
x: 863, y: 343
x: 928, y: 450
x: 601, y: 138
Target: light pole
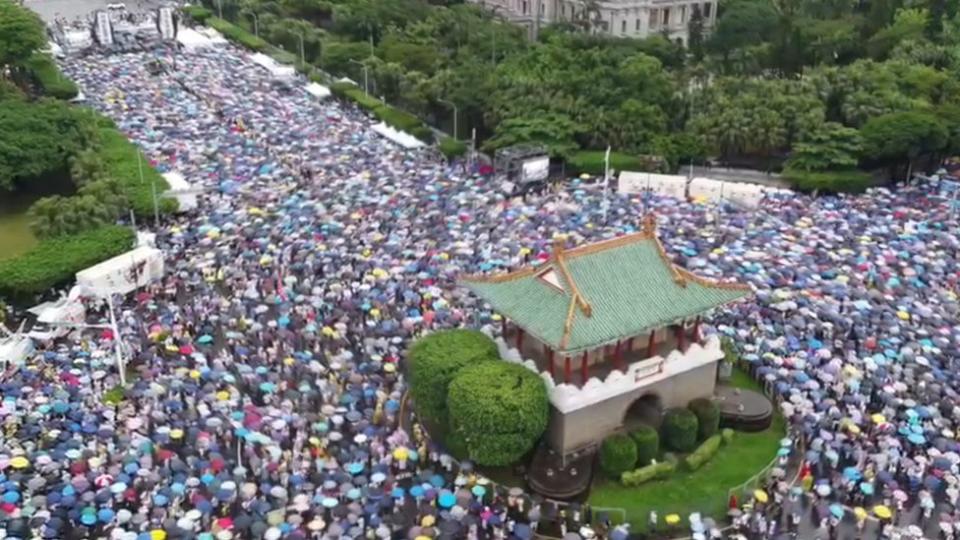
x: 220, y: 8
x: 302, y: 56
x: 256, y: 24
x: 454, y: 105
x: 493, y: 32
x: 366, y: 78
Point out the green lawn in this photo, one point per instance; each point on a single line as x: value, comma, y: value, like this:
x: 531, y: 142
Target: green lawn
x: 702, y: 491
x: 15, y: 235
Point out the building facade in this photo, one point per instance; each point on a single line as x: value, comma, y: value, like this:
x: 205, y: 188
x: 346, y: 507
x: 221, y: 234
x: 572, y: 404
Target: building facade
x: 620, y: 18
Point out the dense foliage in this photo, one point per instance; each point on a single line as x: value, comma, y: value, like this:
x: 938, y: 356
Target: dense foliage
x: 50, y: 79
x: 55, y: 261
x: 708, y: 417
x: 648, y: 444
x: 618, y: 454
x: 500, y: 409
x: 434, y: 362
x: 656, y: 471
x: 703, y: 453
x: 773, y: 81
x: 679, y: 430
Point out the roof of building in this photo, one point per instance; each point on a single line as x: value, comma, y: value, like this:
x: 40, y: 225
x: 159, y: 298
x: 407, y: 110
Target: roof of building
x: 599, y: 293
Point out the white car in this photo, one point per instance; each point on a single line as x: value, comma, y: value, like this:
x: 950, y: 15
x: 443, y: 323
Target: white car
x: 119, y: 6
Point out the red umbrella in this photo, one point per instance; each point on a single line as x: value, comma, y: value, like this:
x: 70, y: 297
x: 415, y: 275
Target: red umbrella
x: 106, y: 334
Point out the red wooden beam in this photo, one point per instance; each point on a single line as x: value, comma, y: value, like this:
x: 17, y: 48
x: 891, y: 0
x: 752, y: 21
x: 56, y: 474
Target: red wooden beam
x: 519, y: 339
x: 584, y: 368
x: 566, y: 369
x: 681, y: 338
x: 696, y: 331
x: 650, y: 345
x: 503, y: 327
x: 550, y: 360
x: 616, y: 357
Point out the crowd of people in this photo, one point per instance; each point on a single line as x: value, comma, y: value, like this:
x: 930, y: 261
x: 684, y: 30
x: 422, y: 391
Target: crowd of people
x: 266, y: 394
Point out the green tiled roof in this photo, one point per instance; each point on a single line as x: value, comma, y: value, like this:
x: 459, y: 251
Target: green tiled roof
x: 627, y: 283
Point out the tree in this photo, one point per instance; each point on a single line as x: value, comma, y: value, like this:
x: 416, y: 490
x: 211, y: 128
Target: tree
x: 903, y: 136
x: 21, y: 33
x: 436, y: 359
x: 500, y: 409
x: 907, y: 24
x: 618, y: 454
x: 558, y: 132
x: 695, y: 32
x: 829, y: 146
x: 744, y: 25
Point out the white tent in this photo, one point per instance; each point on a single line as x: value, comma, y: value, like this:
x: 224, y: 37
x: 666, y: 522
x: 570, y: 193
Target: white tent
x: 215, y: 37
x: 191, y: 40
x: 399, y: 137
x: 123, y: 273
x: 740, y: 193
x: 666, y: 184
x: 15, y: 349
x: 318, y: 90
x: 181, y: 190
x: 278, y: 70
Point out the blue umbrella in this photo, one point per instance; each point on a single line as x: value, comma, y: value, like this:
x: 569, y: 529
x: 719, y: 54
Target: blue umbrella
x: 851, y: 473
x: 916, y: 438
x: 437, y: 481
x: 417, y: 491
x: 205, y: 339
x: 447, y: 499
x: 355, y: 468
x: 479, y: 491
x: 836, y: 510
x: 866, y: 488
x: 397, y: 492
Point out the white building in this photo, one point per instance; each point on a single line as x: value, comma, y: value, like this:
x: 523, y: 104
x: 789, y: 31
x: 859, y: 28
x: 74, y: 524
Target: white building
x: 621, y: 18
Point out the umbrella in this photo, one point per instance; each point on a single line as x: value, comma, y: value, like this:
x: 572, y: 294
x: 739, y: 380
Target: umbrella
x: 882, y: 512
x: 836, y: 510
x: 761, y: 496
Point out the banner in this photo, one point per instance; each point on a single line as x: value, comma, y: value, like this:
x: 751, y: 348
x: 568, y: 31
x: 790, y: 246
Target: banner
x: 165, y: 24
x: 104, y: 29
x: 536, y: 170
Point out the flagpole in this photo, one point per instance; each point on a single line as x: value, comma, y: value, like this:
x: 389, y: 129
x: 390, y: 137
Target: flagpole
x: 606, y: 184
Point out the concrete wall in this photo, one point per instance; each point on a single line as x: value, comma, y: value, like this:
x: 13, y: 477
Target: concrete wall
x: 583, y: 427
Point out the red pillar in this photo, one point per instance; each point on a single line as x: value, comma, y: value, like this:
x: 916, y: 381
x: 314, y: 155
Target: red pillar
x: 650, y: 345
x: 696, y: 331
x: 616, y: 357
x: 584, y: 368
x: 681, y: 338
x: 550, y: 360
x: 566, y: 369
x: 519, y: 339
x: 503, y: 327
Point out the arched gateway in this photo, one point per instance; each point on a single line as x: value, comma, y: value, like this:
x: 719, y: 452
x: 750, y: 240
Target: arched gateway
x: 608, y: 324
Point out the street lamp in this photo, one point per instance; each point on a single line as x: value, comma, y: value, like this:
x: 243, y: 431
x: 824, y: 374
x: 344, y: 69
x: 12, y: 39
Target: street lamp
x: 366, y: 78
x: 454, y: 105
x: 302, y: 56
x: 220, y: 8
x: 256, y: 24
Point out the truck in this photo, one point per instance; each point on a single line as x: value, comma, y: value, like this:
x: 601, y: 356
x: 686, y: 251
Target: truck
x: 124, y: 273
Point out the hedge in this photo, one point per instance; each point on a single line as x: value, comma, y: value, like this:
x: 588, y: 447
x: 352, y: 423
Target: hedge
x: 199, y: 14
x: 396, y: 118
x: 703, y: 453
x: 727, y: 435
x: 618, y: 454
x: 436, y: 359
x: 840, y: 181
x: 119, y: 157
x: 55, y: 261
x: 648, y: 444
x: 452, y: 148
x: 500, y: 409
x: 642, y: 475
x: 235, y: 33
x: 680, y: 430
x: 592, y: 162
x: 708, y: 417
x: 50, y: 79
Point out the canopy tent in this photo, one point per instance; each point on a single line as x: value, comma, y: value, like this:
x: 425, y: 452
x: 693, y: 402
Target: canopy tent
x: 75, y: 40
x: 123, y: 273
x: 181, y: 190
x: 191, y: 40
x: 399, y: 137
x: 599, y: 293
x: 744, y: 194
x: 215, y: 37
x: 278, y: 70
x: 15, y: 349
x: 318, y: 90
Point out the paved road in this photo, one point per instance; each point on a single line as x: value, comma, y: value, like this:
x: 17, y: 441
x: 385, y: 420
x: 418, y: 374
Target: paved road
x: 71, y: 9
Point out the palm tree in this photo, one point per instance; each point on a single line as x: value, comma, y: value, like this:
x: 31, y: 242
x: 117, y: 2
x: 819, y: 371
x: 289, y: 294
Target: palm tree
x: 47, y: 218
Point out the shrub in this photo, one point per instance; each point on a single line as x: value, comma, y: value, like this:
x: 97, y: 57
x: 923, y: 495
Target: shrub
x: 197, y: 13
x: 364, y: 101
x: 648, y: 444
x: 287, y: 58
x: 708, y: 417
x: 500, y: 409
x: 727, y: 435
x: 642, y: 475
x: 237, y: 34
x: 680, y: 430
x: 398, y: 119
x: 837, y: 181
x: 452, y: 148
x: 618, y: 454
x: 423, y: 132
x: 120, y: 162
x: 435, y: 361
x: 50, y: 79
x: 592, y: 162
x: 55, y: 261
x: 342, y: 89
x: 703, y: 453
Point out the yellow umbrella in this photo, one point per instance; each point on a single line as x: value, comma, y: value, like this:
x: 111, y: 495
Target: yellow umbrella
x: 672, y: 519
x: 19, y: 462
x: 401, y: 453
x: 428, y: 521
x: 878, y: 418
x: 853, y: 428
x: 172, y: 348
x: 176, y: 433
x: 158, y: 534
x: 374, y: 312
x: 860, y: 513
x: 194, y: 374
x: 903, y: 315
x: 223, y: 395
x: 882, y: 512
x: 390, y: 368
x: 423, y: 538
x: 761, y: 496
x: 254, y: 211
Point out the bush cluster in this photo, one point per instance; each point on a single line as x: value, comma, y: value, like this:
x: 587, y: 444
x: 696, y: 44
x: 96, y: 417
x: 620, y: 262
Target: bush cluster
x: 837, y: 181
x: 199, y: 14
x: 618, y: 454
x: 50, y: 79
x: 56, y: 260
x: 727, y: 435
x: 119, y: 158
x: 648, y: 444
x: 395, y: 118
x: 452, y: 148
x: 708, y: 417
x: 703, y: 453
x: 235, y: 33
x: 680, y: 430
x: 657, y: 471
x: 592, y: 162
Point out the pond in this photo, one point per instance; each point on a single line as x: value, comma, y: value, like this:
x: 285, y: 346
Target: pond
x: 15, y: 235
